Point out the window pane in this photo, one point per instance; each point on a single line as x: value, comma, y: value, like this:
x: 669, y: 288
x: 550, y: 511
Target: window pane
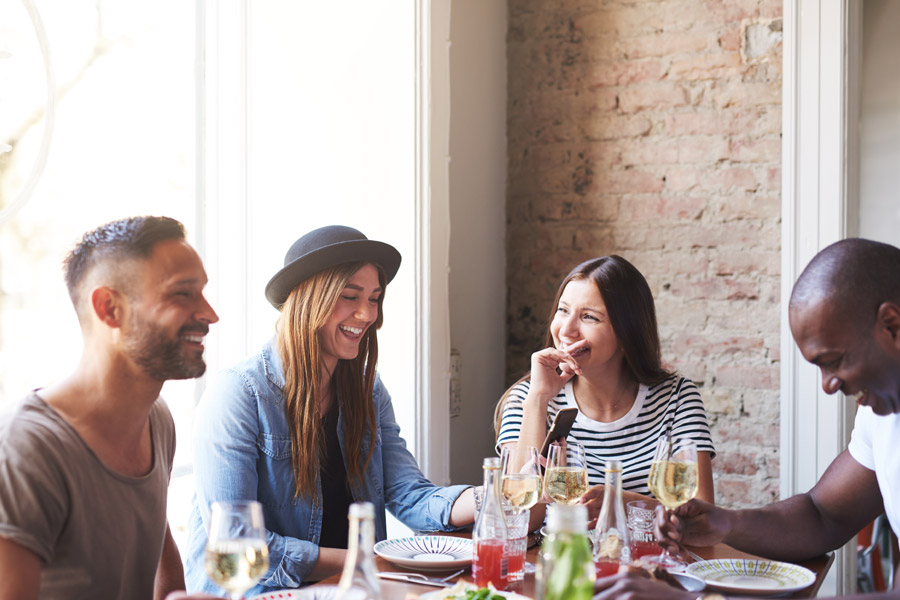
x: 123, y: 144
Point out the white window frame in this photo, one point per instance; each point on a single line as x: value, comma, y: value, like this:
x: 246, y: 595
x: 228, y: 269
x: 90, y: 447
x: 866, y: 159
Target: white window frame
x: 817, y: 193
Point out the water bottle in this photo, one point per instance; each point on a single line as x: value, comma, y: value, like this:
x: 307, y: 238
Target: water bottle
x: 490, y: 535
x: 358, y: 579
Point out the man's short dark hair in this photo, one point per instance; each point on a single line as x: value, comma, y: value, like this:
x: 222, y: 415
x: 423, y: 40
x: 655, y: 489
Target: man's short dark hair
x: 115, y: 242
x: 855, y: 275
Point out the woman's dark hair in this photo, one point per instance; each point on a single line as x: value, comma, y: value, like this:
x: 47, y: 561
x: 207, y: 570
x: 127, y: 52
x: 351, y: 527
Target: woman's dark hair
x: 631, y: 312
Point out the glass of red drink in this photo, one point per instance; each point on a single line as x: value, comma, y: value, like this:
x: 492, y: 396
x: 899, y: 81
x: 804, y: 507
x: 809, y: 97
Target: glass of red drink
x: 640, y: 524
x: 489, y: 564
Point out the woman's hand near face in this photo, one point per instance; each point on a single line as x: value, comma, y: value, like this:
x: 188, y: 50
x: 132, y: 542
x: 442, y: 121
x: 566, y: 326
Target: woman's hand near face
x: 546, y: 381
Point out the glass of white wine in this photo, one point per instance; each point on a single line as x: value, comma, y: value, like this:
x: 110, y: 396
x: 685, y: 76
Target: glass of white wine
x: 521, y: 489
x: 673, y: 481
x: 236, y: 552
x: 566, y: 479
x: 521, y: 485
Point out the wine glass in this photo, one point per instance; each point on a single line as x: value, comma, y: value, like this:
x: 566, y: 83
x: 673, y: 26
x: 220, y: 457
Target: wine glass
x: 521, y: 477
x: 566, y: 479
x: 521, y: 490
x: 673, y: 480
x: 236, y: 552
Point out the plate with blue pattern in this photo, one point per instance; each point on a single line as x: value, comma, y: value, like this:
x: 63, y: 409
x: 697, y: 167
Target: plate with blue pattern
x: 427, y: 552
x: 761, y: 577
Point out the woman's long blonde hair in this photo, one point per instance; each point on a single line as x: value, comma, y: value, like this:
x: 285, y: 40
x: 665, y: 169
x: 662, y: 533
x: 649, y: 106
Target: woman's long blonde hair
x: 307, y: 308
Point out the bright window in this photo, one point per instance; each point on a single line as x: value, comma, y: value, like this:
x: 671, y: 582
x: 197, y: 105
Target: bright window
x: 328, y: 138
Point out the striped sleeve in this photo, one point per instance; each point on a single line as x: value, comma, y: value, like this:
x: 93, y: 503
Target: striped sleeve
x: 511, y: 420
x: 689, y: 418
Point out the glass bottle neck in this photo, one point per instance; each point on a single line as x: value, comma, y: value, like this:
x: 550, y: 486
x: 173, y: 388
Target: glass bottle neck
x: 359, y: 566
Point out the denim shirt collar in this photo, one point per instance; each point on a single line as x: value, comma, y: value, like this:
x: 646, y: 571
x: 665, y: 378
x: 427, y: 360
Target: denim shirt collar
x: 271, y: 363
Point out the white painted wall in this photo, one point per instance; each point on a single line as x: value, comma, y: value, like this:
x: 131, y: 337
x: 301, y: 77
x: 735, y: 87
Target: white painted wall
x: 879, y: 123
x: 477, y: 225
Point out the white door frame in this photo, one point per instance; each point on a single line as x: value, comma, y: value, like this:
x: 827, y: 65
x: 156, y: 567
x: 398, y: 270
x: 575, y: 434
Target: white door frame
x: 432, y: 260
x: 816, y: 168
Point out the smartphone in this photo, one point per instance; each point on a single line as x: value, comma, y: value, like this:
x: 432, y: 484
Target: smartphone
x: 562, y: 423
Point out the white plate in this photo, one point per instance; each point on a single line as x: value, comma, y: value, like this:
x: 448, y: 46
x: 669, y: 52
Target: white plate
x: 752, y: 576
x: 427, y: 552
x: 315, y: 592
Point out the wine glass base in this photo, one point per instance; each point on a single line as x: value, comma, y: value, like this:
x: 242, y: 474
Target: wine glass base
x: 666, y: 561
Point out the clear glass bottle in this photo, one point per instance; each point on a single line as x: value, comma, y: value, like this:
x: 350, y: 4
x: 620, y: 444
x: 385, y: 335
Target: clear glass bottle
x: 358, y: 580
x: 565, y: 568
x: 490, y: 535
x: 611, y: 544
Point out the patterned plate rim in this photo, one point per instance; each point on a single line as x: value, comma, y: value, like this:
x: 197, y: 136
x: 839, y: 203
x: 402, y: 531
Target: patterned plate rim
x: 801, y: 576
x: 388, y: 548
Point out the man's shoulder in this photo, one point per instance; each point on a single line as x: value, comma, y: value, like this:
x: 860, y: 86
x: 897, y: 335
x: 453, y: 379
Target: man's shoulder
x: 28, y: 418
x: 32, y: 434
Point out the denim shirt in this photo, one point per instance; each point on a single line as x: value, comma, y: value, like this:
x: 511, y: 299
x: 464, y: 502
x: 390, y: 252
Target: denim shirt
x: 242, y: 451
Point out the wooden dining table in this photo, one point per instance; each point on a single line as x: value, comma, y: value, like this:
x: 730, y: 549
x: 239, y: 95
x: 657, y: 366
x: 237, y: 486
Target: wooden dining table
x: 401, y: 590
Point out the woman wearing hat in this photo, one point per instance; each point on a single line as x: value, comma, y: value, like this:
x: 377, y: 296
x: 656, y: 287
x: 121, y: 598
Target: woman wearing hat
x: 306, y: 427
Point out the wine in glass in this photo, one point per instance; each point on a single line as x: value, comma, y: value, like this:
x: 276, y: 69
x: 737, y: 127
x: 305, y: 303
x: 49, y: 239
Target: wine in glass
x: 566, y: 479
x: 521, y: 477
x: 521, y: 489
x: 673, y: 480
x: 236, y: 552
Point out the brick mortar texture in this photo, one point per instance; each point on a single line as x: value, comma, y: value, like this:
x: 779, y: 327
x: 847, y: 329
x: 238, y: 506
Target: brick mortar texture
x: 651, y: 130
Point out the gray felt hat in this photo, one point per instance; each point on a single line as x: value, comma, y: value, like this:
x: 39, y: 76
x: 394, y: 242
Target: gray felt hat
x: 327, y: 247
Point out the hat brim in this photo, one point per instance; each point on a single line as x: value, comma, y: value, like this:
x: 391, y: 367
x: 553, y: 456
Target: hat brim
x: 304, y: 267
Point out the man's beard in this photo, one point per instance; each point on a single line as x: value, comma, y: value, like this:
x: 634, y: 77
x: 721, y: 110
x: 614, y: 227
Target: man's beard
x: 163, y: 358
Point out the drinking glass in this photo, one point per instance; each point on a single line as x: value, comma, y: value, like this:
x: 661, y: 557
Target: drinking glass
x: 236, y: 552
x: 640, y: 515
x: 521, y: 489
x: 673, y: 480
x: 566, y: 479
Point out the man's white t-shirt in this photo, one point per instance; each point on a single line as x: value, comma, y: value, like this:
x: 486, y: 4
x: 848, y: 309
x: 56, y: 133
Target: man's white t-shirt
x: 874, y: 446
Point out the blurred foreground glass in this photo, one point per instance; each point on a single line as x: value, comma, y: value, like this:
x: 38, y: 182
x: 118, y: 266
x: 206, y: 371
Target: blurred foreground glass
x: 565, y: 566
x: 236, y: 552
x: 358, y: 580
x: 673, y: 480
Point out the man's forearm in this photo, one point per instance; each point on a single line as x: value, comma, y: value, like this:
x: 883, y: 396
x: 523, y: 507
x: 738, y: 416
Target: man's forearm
x: 793, y: 529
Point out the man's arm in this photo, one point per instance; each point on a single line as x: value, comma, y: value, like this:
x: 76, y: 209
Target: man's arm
x: 807, y: 525
x: 170, y: 572
x: 20, y: 572
x: 843, y: 501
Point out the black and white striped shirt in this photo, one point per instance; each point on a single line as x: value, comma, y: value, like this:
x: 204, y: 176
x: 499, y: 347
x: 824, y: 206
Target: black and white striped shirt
x: 631, y: 439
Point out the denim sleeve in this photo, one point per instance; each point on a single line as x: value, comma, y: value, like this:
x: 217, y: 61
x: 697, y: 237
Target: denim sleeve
x: 415, y: 501
x: 225, y: 457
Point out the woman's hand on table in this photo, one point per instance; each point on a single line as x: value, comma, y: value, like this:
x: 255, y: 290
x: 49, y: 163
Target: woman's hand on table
x: 187, y: 596
x: 694, y: 523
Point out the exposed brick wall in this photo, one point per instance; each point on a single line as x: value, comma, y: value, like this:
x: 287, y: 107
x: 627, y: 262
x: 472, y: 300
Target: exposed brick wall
x: 653, y: 130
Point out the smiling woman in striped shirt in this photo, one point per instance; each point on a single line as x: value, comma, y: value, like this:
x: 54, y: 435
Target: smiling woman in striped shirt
x: 602, y: 356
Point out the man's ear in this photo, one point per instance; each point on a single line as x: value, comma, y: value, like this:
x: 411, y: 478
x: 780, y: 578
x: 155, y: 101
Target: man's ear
x: 106, y: 303
x: 888, y: 320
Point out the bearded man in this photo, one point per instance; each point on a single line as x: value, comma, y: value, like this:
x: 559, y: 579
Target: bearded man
x: 85, y: 463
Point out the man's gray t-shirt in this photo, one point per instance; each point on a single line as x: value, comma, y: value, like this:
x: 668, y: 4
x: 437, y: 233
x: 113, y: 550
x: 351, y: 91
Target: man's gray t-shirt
x: 98, y: 533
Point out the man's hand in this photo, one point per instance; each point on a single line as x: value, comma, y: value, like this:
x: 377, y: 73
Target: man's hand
x: 630, y: 584
x: 695, y: 523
